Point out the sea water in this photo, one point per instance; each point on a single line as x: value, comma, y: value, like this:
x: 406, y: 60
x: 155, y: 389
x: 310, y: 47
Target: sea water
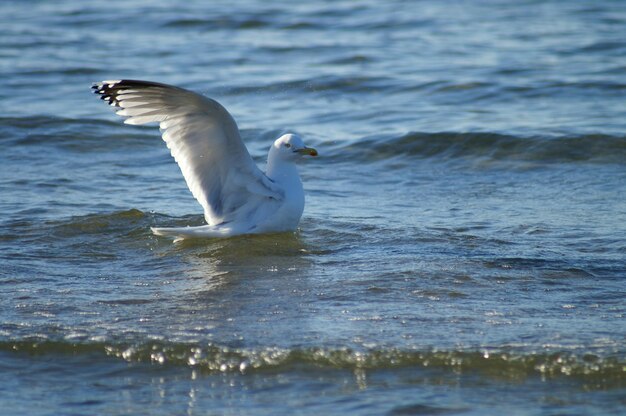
x: 462, y: 250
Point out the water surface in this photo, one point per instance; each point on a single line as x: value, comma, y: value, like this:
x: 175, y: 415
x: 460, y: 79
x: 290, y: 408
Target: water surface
x: 461, y: 252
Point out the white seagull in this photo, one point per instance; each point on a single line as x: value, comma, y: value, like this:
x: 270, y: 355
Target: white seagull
x: 203, y: 138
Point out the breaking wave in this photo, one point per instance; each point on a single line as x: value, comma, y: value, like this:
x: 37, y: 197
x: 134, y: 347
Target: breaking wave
x: 605, y: 371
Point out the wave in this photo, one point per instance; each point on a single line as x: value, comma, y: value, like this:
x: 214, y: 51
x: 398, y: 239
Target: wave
x: 605, y: 371
x: 77, y: 135
x: 132, y: 221
x: 72, y: 71
x: 81, y: 135
x: 596, y: 148
x: 343, y: 84
x: 219, y: 22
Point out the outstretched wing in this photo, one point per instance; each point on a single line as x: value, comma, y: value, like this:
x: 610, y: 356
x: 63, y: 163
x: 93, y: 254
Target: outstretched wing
x: 203, y: 139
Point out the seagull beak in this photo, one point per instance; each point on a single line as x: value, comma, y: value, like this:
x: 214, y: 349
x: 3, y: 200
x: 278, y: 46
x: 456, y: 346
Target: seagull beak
x: 307, y: 151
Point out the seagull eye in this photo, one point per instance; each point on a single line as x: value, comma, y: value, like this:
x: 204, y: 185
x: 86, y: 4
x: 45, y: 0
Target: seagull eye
x: 287, y: 145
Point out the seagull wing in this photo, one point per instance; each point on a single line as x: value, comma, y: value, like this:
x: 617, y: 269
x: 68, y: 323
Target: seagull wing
x: 203, y: 139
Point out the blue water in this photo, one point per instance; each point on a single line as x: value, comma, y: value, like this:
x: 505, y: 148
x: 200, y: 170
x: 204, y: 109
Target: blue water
x: 462, y: 248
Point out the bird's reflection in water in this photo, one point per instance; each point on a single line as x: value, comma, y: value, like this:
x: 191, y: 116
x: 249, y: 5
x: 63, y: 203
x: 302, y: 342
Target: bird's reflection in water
x: 210, y: 265
x: 235, y: 291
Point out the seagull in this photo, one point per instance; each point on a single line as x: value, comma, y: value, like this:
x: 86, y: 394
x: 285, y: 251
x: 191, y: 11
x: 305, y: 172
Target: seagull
x: 204, y: 139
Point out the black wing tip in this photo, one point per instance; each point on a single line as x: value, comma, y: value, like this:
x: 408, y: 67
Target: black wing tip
x: 107, y: 91
x: 121, y: 84
x: 102, y: 87
x: 129, y: 83
x: 110, y: 90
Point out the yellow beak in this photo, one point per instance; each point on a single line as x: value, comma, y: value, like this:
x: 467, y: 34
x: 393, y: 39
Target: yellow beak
x: 307, y: 151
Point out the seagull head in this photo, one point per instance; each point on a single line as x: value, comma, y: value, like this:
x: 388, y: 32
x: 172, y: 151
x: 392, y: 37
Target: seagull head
x: 291, y: 147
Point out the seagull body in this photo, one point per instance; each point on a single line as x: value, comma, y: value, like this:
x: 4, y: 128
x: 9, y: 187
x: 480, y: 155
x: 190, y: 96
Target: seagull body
x: 204, y: 139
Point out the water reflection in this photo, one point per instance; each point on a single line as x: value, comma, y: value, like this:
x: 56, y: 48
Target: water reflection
x: 236, y: 289
x: 218, y: 261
